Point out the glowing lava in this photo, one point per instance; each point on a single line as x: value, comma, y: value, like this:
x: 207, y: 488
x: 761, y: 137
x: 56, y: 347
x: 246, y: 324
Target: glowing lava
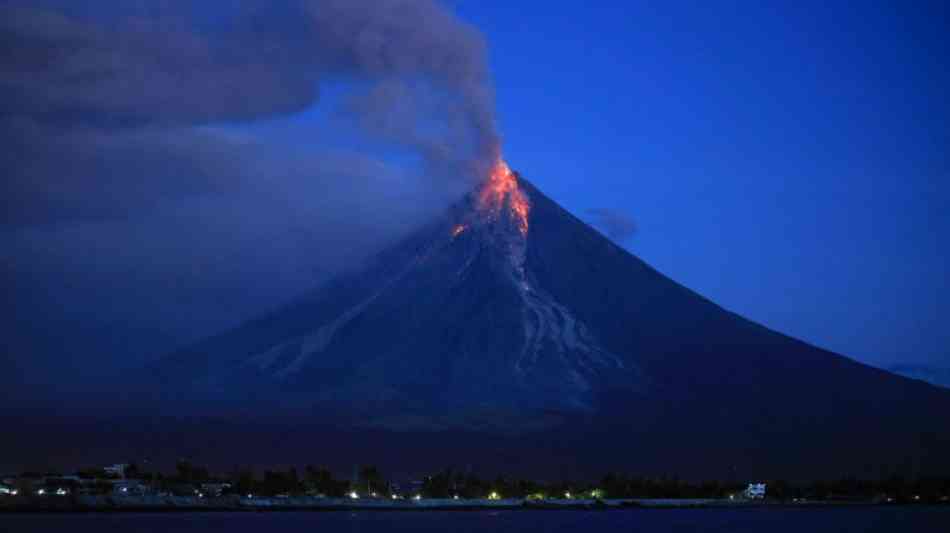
x: 501, y: 191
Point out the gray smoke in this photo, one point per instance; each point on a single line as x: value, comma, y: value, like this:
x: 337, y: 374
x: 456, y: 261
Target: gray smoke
x: 414, y: 79
x: 187, y: 165
x: 431, y: 67
x: 618, y: 225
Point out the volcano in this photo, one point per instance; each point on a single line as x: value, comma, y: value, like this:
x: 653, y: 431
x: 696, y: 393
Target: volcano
x: 510, y: 325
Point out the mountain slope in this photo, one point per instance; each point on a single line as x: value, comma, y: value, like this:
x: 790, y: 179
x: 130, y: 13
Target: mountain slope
x: 446, y: 326
x: 488, y: 323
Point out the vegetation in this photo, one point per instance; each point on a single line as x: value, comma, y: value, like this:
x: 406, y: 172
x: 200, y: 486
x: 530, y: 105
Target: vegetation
x: 369, y: 481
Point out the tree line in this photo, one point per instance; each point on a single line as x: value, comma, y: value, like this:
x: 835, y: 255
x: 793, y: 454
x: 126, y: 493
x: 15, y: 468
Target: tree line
x: 369, y: 481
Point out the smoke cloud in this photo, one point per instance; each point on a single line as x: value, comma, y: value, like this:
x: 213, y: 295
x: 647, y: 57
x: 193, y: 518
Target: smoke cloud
x: 435, y: 90
x: 414, y: 78
x: 618, y: 225
x: 208, y: 160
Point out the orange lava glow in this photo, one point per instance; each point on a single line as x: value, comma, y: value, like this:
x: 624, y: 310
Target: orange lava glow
x: 502, y: 191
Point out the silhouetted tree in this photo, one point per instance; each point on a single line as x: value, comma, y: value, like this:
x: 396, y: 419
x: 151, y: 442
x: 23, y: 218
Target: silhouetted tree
x: 132, y: 471
x: 188, y: 473
x: 320, y: 481
x: 370, y: 480
x: 243, y: 482
x: 277, y: 482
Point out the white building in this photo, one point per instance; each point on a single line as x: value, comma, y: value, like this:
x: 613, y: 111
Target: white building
x: 129, y: 487
x: 755, y: 491
x: 117, y: 470
x: 214, y: 490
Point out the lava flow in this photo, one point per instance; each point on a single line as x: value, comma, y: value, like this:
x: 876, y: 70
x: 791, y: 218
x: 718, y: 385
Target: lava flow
x: 502, y: 191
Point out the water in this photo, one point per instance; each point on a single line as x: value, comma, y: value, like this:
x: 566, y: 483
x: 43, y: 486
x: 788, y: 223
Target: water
x: 916, y: 519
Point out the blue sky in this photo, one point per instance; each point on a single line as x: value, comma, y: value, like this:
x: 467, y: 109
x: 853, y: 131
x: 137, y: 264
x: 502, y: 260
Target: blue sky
x: 785, y: 159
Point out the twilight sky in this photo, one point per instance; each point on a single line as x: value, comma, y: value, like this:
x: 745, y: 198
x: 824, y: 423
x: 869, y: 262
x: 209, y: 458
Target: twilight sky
x: 787, y: 160
x: 175, y: 169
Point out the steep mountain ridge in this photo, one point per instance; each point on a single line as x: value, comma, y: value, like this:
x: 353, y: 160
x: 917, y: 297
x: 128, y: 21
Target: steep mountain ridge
x: 474, y: 325
x: 454, y: 318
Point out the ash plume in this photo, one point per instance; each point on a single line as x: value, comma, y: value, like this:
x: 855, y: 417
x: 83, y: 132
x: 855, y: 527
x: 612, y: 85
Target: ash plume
x: 426, y: 66
x: 202, y: 147
x: 414, y: 78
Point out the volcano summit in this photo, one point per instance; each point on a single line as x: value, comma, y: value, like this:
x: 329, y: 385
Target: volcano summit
x: 455, y: 326
x: 509, y: 321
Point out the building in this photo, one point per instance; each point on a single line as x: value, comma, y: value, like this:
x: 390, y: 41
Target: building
x: 755, y: 491
x: 214, y: 490
x: 57, y: 485
x: 116, y: 470
x: 129, y: 487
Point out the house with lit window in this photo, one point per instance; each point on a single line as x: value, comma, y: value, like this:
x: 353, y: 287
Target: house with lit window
x: 755, y: 491
x: 116, y: 470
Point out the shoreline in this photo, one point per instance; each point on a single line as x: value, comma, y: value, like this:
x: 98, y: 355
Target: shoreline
x: 258, y: 505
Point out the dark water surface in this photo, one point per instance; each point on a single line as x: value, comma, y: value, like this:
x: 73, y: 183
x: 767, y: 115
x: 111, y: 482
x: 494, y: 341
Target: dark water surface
x: 760, y: 520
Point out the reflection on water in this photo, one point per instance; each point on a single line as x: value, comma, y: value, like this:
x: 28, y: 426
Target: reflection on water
x: 778, y: 520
